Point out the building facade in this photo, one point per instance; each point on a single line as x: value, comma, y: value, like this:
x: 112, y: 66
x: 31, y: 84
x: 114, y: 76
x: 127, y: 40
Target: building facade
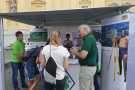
x: 7, y: 6
x: 39, y: 5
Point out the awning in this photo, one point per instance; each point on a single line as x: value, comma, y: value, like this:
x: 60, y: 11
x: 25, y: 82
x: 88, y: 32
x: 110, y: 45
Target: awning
x: 91, y: 16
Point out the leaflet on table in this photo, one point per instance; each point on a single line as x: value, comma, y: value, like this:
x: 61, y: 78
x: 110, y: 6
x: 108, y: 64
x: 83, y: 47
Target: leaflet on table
x: 73, y: 61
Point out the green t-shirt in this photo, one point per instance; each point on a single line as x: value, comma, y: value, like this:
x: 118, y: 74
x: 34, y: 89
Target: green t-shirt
x: 17, y: 47
x: 89, y: 44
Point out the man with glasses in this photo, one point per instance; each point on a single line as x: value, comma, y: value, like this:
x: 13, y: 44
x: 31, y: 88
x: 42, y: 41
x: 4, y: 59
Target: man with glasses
x: 88, y: 58
x: 16, y: 62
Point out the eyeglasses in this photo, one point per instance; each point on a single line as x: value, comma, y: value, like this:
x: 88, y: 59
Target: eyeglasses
x: 20, y: 36
x: 79, y: 31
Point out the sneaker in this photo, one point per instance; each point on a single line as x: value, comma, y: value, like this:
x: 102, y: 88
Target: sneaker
x: 26, y: 86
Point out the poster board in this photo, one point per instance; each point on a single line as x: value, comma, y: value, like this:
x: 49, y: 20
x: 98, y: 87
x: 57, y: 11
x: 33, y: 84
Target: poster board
x: 38, y: 37
x: 131, y: 57
x: 112, y: 29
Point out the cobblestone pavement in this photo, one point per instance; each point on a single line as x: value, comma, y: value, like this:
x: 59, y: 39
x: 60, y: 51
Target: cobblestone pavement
x: 8, y: 74
x: 9, y: 85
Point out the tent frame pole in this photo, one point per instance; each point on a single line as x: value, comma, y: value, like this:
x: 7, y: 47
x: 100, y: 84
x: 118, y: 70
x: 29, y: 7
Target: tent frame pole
x: 2, y: 59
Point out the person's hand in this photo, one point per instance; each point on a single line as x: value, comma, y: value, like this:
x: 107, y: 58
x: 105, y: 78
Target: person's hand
x: 23, y: 64
x: 115, y: 40
x: 125, y: 56
x: 76, y: 45
x: 78, y: 50
x: 73, y: 50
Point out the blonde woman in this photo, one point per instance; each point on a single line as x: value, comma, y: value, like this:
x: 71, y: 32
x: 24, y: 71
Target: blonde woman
x: 60, y: 55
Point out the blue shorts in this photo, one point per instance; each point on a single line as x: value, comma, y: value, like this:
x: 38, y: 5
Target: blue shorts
x: 32, y: 72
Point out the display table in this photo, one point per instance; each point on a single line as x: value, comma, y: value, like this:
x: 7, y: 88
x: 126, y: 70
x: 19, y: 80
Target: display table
x: 72, y: 77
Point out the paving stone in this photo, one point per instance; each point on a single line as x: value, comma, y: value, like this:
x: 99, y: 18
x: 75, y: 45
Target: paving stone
x: 8, y: 74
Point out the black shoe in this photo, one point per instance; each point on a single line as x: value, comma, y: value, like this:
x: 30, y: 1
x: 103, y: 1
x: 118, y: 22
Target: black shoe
x: 26, y: 86
x: 124, y: 80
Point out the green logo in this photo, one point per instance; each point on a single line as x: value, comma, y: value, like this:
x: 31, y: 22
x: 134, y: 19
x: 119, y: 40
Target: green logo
x: 69, y: 82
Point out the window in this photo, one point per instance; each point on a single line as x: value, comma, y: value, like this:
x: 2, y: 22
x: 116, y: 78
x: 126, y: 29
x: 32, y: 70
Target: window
x: 84, y: 6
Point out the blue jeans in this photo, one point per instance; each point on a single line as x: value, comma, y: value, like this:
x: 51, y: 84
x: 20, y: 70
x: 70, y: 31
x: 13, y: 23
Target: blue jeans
x: 96, y: 84
x: 15, y: 67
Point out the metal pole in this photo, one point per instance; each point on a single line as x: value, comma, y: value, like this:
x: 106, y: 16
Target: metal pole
x: 2, y: 60
x: 119, y: 11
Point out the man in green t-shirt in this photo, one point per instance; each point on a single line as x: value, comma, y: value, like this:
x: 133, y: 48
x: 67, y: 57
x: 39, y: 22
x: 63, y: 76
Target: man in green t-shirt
x: 16, y: 62
x: 87, y: 58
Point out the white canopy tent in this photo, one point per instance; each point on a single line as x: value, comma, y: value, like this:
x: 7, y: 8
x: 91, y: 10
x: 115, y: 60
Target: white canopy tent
x: 47, y: 18
x: 69, y: 17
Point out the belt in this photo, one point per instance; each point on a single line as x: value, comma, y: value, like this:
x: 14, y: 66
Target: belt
x: 89, y: 65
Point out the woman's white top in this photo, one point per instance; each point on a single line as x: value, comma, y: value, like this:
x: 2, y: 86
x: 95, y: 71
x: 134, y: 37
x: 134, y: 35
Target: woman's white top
x: 58, y: 54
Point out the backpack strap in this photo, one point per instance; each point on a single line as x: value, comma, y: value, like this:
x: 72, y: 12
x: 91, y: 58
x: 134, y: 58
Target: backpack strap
x: 50, y: 50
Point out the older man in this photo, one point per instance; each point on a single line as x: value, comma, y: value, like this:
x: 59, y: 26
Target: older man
x: 87, y: 58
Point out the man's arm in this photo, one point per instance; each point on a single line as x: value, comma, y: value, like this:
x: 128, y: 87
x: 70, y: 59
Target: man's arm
x: 23, y: 51
x: 86, y: 47
x: 42, y: 59
x: 38, y: 57
x: 37, y: 60
x: 83, y: 54
x: 20, y: 59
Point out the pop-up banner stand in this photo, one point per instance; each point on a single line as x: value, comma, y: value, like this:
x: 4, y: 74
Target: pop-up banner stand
x: 131, y: 54
x: 38, y: 37
x: 2, y: 62
x: 115, y: 36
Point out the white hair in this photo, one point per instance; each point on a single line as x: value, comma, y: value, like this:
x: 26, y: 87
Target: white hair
x: 87, y: 27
